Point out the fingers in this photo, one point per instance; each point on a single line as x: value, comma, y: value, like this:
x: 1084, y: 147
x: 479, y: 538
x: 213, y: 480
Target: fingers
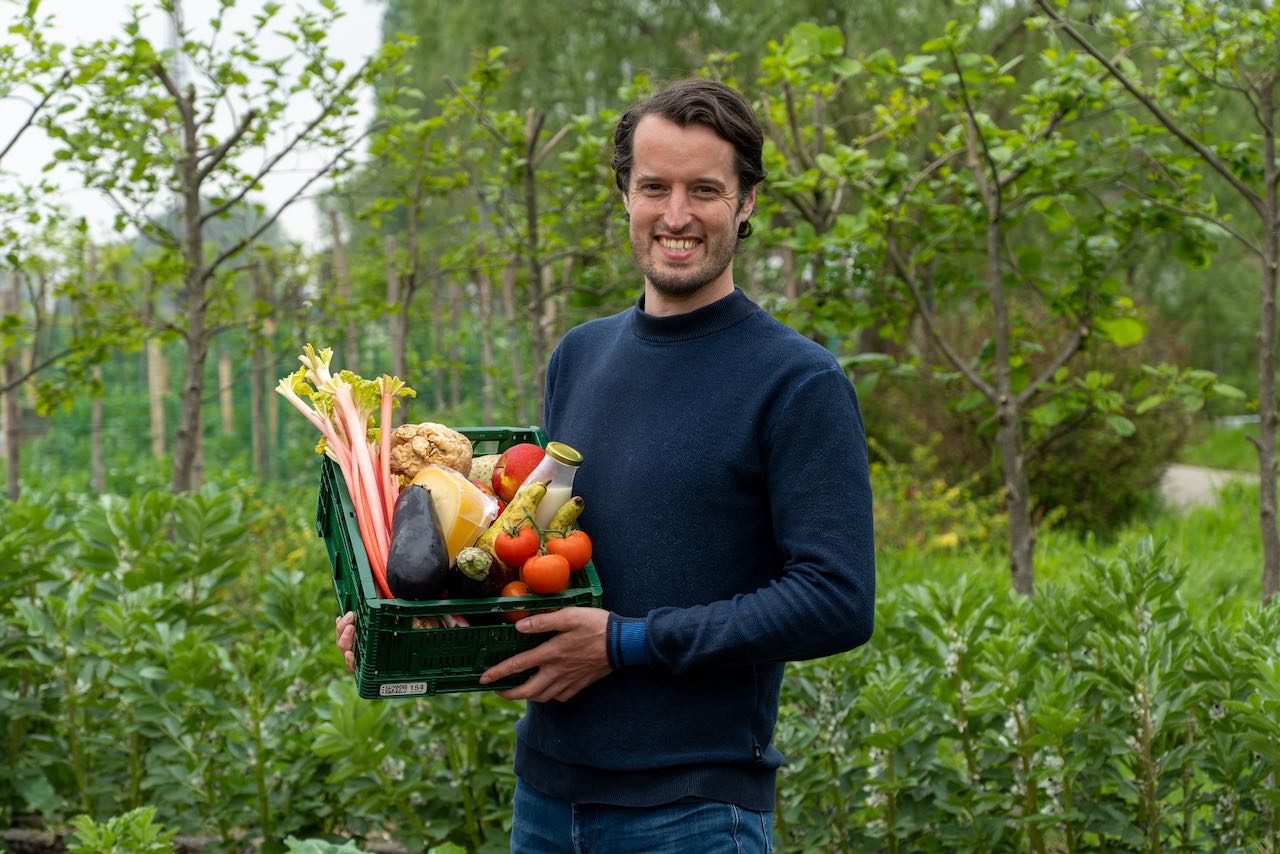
x: 516, y: 664
x: 345, y: 637
x: 340, y: 623
x: 552, y: 621
x: 541, y: 688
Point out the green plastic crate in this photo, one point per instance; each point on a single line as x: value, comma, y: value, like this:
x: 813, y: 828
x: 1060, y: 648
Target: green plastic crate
x: 395, y: 659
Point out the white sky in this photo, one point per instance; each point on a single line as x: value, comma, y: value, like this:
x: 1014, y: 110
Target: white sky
x: 78, y: 21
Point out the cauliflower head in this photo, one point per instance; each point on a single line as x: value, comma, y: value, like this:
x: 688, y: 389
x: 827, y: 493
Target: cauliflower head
x: 416, y: 445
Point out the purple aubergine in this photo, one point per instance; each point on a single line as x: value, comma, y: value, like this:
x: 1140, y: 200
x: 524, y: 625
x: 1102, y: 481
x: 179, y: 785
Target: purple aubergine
x: 418, y: 562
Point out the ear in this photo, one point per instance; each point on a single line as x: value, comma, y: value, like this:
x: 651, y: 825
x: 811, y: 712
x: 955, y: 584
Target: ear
x: 626, y: 202
x: 748, y: 207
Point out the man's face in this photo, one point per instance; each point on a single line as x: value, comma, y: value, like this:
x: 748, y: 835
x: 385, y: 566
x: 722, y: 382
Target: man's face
x: 683, y: 203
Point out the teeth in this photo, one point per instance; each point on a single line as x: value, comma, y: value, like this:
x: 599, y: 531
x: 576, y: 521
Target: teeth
x: 676, y: 245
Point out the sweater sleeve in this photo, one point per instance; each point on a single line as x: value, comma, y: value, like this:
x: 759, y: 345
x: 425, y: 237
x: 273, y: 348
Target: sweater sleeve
x: 822, y: 599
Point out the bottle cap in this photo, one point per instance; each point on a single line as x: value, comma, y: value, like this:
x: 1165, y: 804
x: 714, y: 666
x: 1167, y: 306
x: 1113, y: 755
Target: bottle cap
x: 560, y: 452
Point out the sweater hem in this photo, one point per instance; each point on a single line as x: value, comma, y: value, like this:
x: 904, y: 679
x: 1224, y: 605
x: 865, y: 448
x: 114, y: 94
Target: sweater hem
x: 748, y: 787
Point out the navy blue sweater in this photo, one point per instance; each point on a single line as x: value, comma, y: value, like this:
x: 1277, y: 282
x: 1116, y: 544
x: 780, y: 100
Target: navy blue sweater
x: 729, y: 504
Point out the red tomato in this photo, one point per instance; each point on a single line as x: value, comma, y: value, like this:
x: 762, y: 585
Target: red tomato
x: 545, y: 573
x: 514, y: 550
x: 515, y: 588
x: 574, y: 547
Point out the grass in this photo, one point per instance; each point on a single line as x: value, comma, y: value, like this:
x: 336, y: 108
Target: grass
x: 1223, y: 448
x: 1219, y: 547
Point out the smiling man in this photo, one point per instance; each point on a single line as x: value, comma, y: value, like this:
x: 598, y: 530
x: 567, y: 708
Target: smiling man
x: 728, y: 500
x: 687, y: 205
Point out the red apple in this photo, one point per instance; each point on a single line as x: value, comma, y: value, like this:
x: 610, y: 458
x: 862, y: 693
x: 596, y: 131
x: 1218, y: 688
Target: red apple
x: 515, y: 464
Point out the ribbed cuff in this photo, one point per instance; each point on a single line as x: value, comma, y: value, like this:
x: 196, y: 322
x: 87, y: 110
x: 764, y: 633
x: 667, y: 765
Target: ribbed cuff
x: 625, y: 642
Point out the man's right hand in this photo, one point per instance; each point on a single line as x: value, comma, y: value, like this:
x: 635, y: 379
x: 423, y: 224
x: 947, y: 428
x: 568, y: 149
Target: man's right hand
x: 345, y: 630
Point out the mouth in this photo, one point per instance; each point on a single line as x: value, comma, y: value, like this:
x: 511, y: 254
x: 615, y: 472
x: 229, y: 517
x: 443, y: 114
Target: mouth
x: 678, y: 246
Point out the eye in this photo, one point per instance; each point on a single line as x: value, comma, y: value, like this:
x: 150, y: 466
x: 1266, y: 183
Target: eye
x: 650, y: 187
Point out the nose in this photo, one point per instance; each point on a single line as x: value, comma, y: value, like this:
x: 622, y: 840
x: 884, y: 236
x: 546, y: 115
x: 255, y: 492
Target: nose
x: 677, y: 215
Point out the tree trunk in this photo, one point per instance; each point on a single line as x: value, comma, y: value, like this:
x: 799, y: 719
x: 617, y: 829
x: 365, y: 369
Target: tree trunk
x: 258, y: 383
x: 1022, y: 535
x: 790, y: 285
x: 485, y: 299
x: 397, y: 320
x: 273, y: 406
x: 1013, y: 466
x: 516, y: 381
x: 157, y: 386
x: 187, y: 447
x: 97, y: 467
x: 226, y: 388
x: 533, y: 127
x: 186, y: 475
x: 1267, y: 356
x: 453, y: 311
x: 349, y: 357
x: 9, y: 408
x: 439, y: 372
x: 147, y: 310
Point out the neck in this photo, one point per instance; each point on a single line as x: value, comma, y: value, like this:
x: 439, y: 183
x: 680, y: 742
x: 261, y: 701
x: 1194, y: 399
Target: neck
x: 664, y: 305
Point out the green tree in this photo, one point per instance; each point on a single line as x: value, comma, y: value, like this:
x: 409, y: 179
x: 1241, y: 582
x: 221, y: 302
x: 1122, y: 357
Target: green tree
x: 150, y: 135
x: 1206, y: 52
x: 990, y: 206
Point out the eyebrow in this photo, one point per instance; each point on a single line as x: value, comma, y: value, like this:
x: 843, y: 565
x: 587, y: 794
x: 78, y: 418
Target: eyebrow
x: 714, y: 182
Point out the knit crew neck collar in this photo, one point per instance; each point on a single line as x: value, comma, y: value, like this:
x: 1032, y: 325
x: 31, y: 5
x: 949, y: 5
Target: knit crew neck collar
x: 721, y: 314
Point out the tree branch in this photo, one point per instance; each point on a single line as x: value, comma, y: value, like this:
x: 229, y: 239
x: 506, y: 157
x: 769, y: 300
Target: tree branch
x: 1064, y: 355
x: 1222, y: 224
x: 36, y: 367
x: 248, y: 239
x: 481, y: 116
x: 35, y: 111
x: 187, y: 109
x: 990, y: 195
x: 930, y: 324
x: 1205, y: 153
x: 324, y: 112
x: 551, y: 143
x: 216, y: 155
x: 148, y: 228
x: 794, y: 123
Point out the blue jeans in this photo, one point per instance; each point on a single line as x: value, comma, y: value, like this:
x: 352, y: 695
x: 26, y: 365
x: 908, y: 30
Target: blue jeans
x: 546, y: 825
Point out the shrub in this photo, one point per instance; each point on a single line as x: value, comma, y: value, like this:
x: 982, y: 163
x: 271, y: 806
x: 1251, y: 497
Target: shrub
x: 917, y: 510
x: 1081, y: 470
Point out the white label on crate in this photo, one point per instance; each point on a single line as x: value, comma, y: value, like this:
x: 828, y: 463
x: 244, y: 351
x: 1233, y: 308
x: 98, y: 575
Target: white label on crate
x: 402, y: 689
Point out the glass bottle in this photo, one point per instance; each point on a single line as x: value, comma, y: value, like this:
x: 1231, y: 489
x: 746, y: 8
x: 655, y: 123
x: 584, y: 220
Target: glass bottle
x: 556, y: 470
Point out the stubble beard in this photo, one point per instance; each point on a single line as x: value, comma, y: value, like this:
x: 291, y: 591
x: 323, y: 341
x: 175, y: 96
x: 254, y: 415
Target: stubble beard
x: 686, y: 282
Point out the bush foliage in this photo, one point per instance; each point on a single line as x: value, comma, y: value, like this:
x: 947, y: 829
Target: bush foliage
x: 174, y: 652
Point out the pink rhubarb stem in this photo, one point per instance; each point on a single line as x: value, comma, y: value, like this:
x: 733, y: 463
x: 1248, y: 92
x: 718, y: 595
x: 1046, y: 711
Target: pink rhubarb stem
x: 384, y: 457
x: 357, y: 431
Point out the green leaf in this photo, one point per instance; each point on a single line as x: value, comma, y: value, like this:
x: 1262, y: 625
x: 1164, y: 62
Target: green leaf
x: 972, y: 400
x: 846, y: 67
x: 916, y: 64
x: 1121, y: 425
x: 1122, y: 331
x: 1227, y: 391
x: 1149, y: 403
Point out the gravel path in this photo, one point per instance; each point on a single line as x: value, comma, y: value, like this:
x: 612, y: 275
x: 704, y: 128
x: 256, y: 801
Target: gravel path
x: 1189, y: 486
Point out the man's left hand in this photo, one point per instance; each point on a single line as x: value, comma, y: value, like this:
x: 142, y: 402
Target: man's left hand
x: 566, y: 663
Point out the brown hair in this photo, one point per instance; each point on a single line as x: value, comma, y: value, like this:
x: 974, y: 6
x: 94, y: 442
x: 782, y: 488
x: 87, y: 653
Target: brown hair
x: 698, y: 102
